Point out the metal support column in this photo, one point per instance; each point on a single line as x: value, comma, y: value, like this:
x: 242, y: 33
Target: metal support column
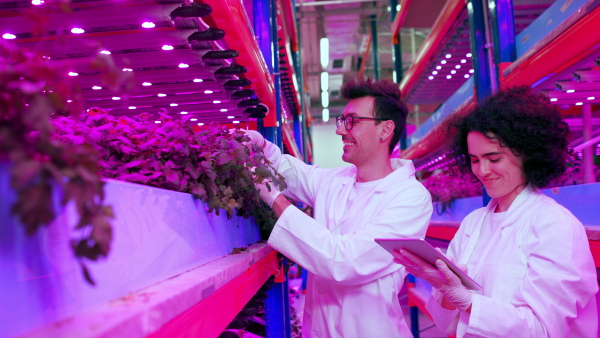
x: 277, y: 307
x: 414, y: 311
x: 503, y: 32
x: 481, y: 56
x: 397, y: 58
x: 375, y: 46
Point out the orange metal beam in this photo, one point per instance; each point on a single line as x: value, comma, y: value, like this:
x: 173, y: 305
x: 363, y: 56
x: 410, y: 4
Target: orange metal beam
x: 574, y: 44
x: 444, y: 22
x: 230, y: 16
x: 210, y: 317
x: 399, y: 20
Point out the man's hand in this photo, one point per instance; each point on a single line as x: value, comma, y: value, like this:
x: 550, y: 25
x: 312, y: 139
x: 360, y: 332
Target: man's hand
x: 268, y: 196
x: 255, y: 138
x: 440, y: 277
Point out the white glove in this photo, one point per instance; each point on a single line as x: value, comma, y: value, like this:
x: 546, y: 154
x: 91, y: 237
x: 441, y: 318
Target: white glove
x: 441, y: 278
x: 266, y: 195
x: 255, y: 137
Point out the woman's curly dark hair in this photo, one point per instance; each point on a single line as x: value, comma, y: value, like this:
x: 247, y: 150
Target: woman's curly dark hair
x: 526, y: 123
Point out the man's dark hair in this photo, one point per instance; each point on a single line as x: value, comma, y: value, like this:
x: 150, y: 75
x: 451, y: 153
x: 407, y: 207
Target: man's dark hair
x: 387, y: 104
x: 524, y: 122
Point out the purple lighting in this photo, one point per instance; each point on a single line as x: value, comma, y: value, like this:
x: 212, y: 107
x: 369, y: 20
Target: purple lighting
x: 230, y: 117
x: 467, y: 76
x: 463, y: 61
x: 132, y: 107
x: 183, y: 113
x: 183, y: 65
x: 127, y: 70
x: 434, y: 72
x: 73, y: 74
x: 591, y: 98
x: 471, y: 71
x: 236, y: 121
x: 579, y: 104
x: 116, y: 98
x: 216, y: 101
x: 448, y: 77
x: 37, y: 2
x: 105, y: 52
x: 571, y: 91
x: 443, y: 62
x: 167, y: 47
x: 469, y: 55
x: 198, y: 80
x: 9, y: 36
x: 146, y: 84
x: 438, y: 67
x: 223, y: 110
x: 77, y: 30
x: 208, y: 91
x: 161, y: 95
x: 457, y: 66
x: 96, y: 87
x: 148, y: 24
x: 448, y: 56
x: 553, y: 99
x: 430, y: 77
x: 173, y: 105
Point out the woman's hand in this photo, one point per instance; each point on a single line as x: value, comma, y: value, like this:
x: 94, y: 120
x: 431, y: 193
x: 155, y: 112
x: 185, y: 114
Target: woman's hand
x: 439, y: 276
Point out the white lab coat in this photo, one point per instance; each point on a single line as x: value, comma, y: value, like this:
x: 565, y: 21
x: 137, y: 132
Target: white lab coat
x: 538, y: 276
x: 353, y: 283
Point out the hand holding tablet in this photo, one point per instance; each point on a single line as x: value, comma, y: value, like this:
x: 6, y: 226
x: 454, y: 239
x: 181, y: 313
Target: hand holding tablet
x: 430, y: 255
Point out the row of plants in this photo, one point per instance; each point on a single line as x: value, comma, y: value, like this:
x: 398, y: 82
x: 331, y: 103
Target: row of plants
x: 447, y: 185
x: 49, y: 143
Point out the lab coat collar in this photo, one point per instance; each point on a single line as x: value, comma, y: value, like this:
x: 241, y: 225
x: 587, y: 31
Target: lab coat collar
x: 519, y: 206
x: 403, y: 169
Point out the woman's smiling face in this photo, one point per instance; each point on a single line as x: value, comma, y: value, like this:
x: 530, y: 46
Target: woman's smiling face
x: 497, y: 167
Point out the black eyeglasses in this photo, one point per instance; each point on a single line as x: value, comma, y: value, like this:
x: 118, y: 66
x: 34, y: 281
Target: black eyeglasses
x: 349, y: 120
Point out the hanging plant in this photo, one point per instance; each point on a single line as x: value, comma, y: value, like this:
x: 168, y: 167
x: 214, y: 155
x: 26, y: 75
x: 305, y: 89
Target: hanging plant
x: 31, y: 90
x: 213, y: 163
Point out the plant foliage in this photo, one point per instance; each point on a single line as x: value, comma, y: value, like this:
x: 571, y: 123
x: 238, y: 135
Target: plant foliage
x: 32, y: 89
x: 213, y: 163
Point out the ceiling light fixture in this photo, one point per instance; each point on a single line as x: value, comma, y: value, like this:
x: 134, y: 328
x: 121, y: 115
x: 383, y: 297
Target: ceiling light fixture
x: 325, y: 115
x: 324, y: 81
x: 223, y: 110
x: 148, y: 24
x: 132, y: 107
x: 105, y: 52
x: 173, y: 104
x: 161, y: 95
x: 9, y: 36
x: 183, y: 65
x: 73, y: 74
x: 324, y: 43
x: 96, y: 87
x: 208, y: 91
x: 198, y: 80
x: 325, y: 99
x: 216, y: 101
x: 167, y: 47
x: 146, y: 84
x: 77, y: 30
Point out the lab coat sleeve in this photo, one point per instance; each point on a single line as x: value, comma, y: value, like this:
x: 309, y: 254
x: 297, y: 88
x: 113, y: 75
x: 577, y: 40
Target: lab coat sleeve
x: 560, y: 281
x: 300, y: 177
x: 355, y: 258
x: 447, y: 320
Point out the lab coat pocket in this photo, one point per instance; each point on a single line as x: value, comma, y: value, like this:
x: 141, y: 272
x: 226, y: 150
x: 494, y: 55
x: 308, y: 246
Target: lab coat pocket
x: 501, y: 281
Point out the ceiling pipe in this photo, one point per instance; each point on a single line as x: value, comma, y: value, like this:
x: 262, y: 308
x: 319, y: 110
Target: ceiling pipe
x: 331, y: 2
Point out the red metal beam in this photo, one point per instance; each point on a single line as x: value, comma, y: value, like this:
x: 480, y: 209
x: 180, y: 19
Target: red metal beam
x: 574, y: 44
x: 438, y: 135
x: 210, y: 317
x: 444, y: 22
x: 399, y: 20
x: 230, y: 16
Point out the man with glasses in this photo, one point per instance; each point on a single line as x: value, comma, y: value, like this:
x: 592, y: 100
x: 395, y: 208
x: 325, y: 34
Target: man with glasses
x: 353, y: 284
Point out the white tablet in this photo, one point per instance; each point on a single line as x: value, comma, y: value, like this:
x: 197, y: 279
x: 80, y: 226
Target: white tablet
x: 427, y: 253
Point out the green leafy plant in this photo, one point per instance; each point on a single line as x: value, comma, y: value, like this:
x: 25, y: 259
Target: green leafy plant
x: 31, y: 90
x: 213, y: 163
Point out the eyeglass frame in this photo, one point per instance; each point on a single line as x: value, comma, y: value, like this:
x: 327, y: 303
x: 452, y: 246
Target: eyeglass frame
x: 340, y: 119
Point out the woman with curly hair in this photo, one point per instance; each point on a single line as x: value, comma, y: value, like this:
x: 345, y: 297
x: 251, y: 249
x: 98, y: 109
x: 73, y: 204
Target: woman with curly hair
x: 530, y: 254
